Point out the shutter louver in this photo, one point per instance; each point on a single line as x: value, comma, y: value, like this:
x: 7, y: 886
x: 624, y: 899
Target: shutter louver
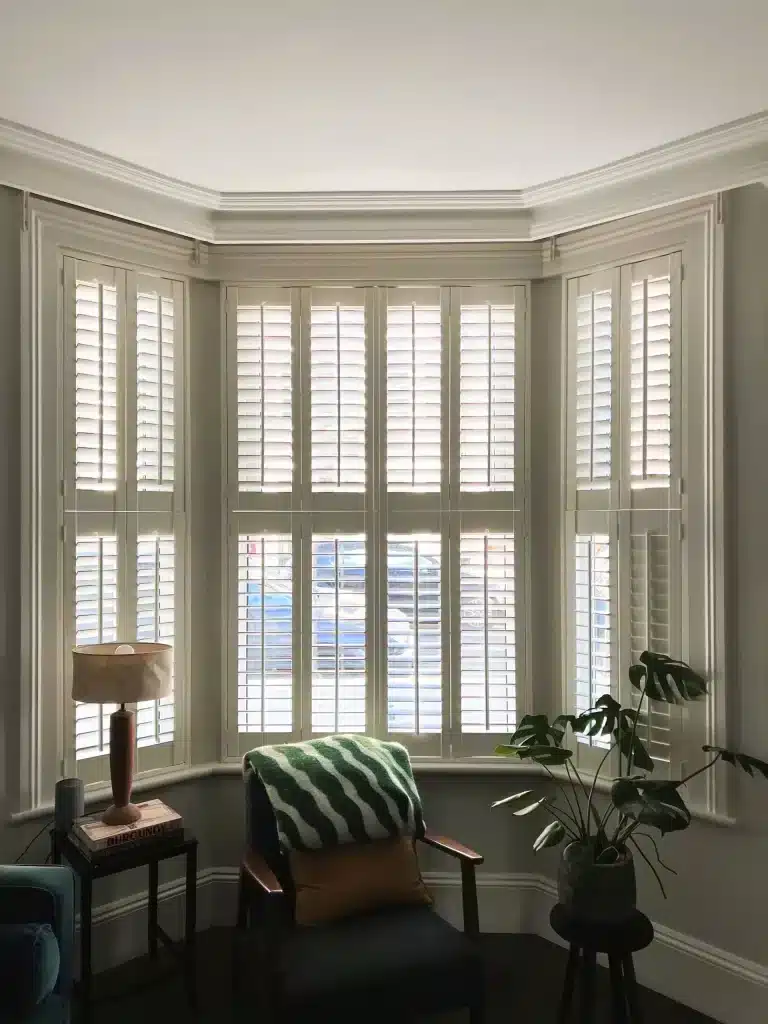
x: 414, y: 634
x: 487, y: 397
x: 95, y: 386
x: 650, y: 613
x: 338, y: 397
x: 594, y: 623
x: 651, y: 381
x: 264, y: 398
x: 265, y: 634
x: 339, y: 633
x: 594, y: 357
x: 95, y: 623
x: 155, y: 623
x: 413, y: 397
x: 487, y: 622
x: 154, y: 392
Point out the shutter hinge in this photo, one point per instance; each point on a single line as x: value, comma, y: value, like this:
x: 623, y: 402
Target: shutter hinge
x: 199, y: 254
x: 682, y: 272
x: 25, y: 211
x: 554, y: 252
x: 682, y: 531
x: 62, y: 767
x: 719, y: 212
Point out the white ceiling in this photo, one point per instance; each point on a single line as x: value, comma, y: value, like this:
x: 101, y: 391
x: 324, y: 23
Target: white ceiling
x: 343, y: 95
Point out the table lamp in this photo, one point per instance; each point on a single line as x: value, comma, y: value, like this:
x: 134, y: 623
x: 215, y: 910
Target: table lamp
x: 121, y: 674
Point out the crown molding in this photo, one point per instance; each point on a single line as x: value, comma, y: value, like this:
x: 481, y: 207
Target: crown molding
x: 726, y: 157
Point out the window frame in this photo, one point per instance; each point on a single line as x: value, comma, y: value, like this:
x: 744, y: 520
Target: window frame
x: 52, y: 236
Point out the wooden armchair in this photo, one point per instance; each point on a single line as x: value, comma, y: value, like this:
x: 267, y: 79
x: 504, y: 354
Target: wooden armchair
x: 386, y: 965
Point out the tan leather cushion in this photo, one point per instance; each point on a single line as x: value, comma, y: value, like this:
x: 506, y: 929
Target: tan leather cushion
x: 356, y: 877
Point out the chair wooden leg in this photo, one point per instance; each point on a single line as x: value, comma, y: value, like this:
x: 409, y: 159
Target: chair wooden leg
x: 568, y: 984
x: 630, y: 983
x: 588, y: 978
x: 242, y: 902
x: 618, y: 995
x: 240, y: 927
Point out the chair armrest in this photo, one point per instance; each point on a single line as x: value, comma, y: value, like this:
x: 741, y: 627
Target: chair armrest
x: 452, y: 848
x: 256, y: 870
x: 43, y: 895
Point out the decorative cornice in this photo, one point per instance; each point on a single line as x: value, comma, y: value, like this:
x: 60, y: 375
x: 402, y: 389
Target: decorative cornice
x: 721, y: 158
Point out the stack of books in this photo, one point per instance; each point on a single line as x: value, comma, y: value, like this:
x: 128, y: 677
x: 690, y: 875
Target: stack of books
x: 157, y: 821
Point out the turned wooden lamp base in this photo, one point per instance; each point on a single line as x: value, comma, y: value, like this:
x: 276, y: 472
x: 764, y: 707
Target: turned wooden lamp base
x: 122, y: 743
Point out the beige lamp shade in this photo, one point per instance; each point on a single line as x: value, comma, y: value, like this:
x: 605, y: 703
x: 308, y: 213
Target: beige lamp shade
x: 121, y: 673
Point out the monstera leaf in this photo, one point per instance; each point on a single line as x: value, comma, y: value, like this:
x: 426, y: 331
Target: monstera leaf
x: 535, y: 730
x: 602, y: 719
x: 749, y: 764
x: 651, y: 802
x: 665, y: 679
x: 553, y: 834
x: 629, y: 742
x: 540, y: 753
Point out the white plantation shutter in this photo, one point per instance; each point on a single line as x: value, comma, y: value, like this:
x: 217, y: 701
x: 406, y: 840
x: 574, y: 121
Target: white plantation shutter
x: 339, y: 633
x: 265, y: 634
x: 414, y: 634
x: 155, y: 623
x: 414, y: 396
x: 594, y: 622
x: 264, y: 397
x: 95, y: 622
x: 487, y: 617
x: 155, y: 391
x: 96, y: 405
x: 338, y: 398
x: 651, y: 380
x: 487, y: 397
x: 123, y: 491
x: 593, y: 386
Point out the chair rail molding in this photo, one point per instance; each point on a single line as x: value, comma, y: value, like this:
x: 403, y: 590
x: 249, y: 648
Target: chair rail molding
x: 721, y: 158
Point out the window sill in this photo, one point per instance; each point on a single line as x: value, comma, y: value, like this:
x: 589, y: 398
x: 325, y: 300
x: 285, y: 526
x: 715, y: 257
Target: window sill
x: 476, y: 766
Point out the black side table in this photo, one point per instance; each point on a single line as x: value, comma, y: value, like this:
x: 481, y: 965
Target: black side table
x: 90, y: 866
x: 586, y: 940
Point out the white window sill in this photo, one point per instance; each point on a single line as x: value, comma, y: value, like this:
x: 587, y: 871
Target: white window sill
x: 476, y: 766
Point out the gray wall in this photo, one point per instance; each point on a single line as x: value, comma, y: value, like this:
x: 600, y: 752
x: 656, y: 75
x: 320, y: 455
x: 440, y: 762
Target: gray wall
x: 720, y: 895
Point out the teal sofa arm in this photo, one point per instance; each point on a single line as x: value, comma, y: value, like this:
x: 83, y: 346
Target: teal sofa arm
x: 44, y: 895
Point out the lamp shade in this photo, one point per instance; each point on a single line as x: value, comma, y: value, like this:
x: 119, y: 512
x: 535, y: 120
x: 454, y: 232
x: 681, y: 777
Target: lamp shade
x: 121, y: 673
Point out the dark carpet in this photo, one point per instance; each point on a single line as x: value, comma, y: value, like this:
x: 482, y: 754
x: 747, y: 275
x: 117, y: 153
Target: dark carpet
x: 524, y: 974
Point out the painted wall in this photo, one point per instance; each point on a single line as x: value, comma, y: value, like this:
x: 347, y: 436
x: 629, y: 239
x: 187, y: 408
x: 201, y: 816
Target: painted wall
x: 720, y: 896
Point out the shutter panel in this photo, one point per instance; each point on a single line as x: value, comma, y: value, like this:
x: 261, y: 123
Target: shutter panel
x: 96, y: 610
x: 96, y: 440
x: 338, y: 398
x: 155, y: 424
x: 155, y: 623
x: 594, y: 623
x: 264, y: 397
x: 414, y: 634
x: 487, y: 397
x: 339, y: 633
x: 593, y: 388
x: 414, y: 383
x: 487, y: 623
x: 265, y: 634
x: 651, y: 380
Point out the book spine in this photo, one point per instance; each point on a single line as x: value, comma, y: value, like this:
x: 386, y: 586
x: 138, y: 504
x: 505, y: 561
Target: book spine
x: 130, y: 837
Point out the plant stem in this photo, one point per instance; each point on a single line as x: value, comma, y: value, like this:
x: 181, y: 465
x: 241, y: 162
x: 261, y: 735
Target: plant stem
x: 647, y: 835
x: 653, y: 869
x: 584, y: 822
x: 562, y: 789
x: 698, y: 771
x: 556, y: 814
x: 634, y: 726
x: 594, y: 780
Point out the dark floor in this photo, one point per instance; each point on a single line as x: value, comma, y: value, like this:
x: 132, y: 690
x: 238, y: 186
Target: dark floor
x: 525, y: 973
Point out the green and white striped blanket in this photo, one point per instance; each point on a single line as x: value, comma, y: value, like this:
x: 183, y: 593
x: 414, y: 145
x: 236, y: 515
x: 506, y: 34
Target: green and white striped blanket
x: 339, y: 789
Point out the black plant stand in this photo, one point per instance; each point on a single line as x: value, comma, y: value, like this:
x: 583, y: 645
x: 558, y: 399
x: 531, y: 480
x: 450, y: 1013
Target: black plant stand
x: 586, y: 940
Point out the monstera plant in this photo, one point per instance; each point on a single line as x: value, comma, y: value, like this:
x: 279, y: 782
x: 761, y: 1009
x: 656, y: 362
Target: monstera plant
x: 596, y: 876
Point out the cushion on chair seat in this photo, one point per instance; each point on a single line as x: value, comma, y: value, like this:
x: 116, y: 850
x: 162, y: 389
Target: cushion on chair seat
x: 382, y: 961
x: 29, y: 966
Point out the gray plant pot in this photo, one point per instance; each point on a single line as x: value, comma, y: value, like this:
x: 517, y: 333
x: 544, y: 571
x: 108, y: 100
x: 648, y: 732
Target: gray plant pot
x: 599, y: 893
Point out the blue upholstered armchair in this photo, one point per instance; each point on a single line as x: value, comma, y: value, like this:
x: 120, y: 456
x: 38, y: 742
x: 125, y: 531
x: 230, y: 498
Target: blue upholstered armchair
x: 37, y: 933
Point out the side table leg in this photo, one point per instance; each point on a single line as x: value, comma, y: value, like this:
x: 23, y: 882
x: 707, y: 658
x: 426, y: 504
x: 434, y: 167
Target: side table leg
x: 190, y: 925
x: 630, y: 983
x: 617, y: 990
x: 568, y: 984
x: 152, y: 909
x: 588, y: 972
x: 86, y: 898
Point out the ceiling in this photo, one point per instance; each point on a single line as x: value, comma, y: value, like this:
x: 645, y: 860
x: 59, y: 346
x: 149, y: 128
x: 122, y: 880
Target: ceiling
x: 347, y: 95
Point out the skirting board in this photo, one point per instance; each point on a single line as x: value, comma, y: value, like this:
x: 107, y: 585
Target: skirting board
x: 730, y: 989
